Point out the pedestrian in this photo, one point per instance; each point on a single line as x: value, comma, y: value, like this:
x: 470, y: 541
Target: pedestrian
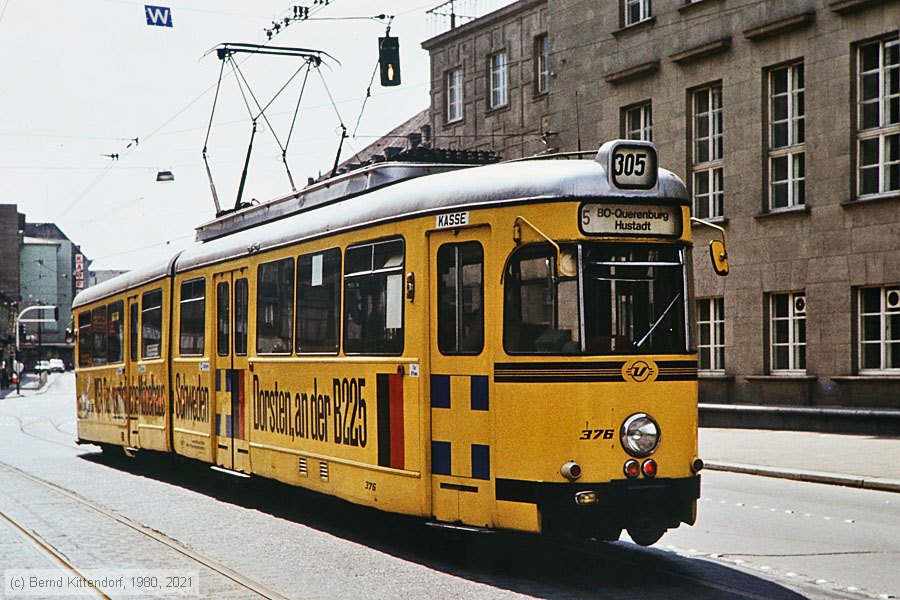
x: 4, y: 376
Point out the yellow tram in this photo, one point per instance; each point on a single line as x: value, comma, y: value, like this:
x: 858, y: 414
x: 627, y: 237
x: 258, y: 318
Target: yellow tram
x: 502, y: 347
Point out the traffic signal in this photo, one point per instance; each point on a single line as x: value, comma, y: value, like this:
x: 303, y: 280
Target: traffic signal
x: 389, y: 60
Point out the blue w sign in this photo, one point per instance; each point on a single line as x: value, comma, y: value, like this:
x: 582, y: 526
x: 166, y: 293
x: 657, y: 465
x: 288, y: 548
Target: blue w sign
x: 160, y: 16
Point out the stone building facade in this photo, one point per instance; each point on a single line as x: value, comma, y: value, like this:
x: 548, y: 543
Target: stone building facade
x: 470, y: 105
x: 783, y: 118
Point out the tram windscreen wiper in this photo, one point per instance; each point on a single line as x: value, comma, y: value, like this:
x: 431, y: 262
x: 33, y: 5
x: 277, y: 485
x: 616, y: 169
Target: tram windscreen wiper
x: 658, y: 321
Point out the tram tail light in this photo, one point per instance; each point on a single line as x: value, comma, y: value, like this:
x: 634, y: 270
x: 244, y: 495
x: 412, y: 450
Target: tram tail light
x: 697, y: 465
x: 632, y: 469
x: 649, y: 468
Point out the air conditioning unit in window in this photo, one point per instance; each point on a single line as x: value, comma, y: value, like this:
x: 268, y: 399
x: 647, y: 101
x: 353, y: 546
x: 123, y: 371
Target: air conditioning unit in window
x: 800, y: 305
x: 892, y: 298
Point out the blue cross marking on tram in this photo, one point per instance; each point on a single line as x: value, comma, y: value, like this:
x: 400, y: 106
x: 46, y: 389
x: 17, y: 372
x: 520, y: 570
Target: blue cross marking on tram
x: 161, y: 16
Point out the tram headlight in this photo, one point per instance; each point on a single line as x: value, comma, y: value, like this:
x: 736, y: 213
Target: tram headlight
x: 640, y: 435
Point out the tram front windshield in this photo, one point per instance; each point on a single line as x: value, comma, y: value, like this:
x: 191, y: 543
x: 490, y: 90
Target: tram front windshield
x: 603, y: 299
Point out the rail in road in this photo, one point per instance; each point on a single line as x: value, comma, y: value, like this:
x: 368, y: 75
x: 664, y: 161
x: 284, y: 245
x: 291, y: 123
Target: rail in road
x: 59, y: 558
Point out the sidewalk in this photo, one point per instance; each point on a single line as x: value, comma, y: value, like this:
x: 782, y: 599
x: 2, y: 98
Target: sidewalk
x: 29, y: 386
x: 869, y: 462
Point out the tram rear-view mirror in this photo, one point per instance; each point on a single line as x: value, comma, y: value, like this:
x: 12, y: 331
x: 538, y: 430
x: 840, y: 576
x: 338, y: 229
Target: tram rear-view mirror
x: 719, y: 257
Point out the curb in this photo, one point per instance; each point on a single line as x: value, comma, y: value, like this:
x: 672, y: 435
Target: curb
x: 33, y: 392
x: 856, y: 481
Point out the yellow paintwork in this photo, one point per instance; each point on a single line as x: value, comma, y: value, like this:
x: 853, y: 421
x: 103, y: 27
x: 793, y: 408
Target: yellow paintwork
x: 289, y: 432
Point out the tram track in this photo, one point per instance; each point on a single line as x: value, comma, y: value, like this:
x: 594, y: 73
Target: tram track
x: 53, y: 556
x: 255, y: 587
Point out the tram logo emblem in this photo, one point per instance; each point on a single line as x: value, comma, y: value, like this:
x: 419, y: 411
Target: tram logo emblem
x: 640, y: 371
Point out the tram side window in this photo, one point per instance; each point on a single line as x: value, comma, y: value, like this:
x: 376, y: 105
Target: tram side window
x: 85, y: 339
x: 319, y: 301
x: 115, y: 332
x: 461, y: 298
x: 241, y: 301
x: 151, y: 324
x: 193, y: 317
x: 133, y: 331
x: 223, y: 319
x: 373, y: 298
x: 275, y: 307
x: 540, y: 309
x: 99, y: 327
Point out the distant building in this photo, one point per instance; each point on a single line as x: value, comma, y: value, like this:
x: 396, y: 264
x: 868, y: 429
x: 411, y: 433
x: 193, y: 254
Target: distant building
x: 783, y: 119
x: 95, y: 277
x: 12, y: 228
x: 413, y: 133
x: 52, y: 270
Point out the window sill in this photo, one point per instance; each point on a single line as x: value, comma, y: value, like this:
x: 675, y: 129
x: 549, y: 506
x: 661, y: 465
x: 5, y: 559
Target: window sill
x: 635, y: 26
x: 875, y: 377
x: 714, y: 376
x: 702, y: 51
x: 849, y: 6
x: 714, y: 220
x: 873, y: 199
x: 455, y: 123
x: 781, y: 377
x: 635, y: 72
x: 803, y: 209
x: 496, y: 110
x: 780, y: 26
x: 540, y: 95
x: 687, y: 7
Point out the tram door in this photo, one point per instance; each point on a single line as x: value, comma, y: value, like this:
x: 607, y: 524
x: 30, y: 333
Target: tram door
x: 230, y: 422
x: 462, y: 490
x: 133, y: 400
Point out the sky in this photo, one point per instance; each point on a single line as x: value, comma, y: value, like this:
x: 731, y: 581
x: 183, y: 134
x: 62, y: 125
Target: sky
x: 85, y: 79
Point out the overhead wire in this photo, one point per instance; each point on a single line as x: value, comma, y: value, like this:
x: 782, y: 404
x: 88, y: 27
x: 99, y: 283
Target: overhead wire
x: 109, y: 167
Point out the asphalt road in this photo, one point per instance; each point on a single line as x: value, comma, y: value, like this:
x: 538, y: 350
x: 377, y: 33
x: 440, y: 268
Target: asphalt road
x: 756, y: 538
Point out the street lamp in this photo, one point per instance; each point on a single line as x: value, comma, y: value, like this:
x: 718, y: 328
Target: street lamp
x: 19, y: 319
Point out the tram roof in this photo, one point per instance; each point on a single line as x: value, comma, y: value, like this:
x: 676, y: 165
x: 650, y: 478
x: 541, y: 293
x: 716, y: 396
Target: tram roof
x: 491, y: 185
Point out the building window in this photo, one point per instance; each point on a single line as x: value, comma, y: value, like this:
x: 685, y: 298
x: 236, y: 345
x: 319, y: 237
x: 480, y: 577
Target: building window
x: 879, y: 329
x: 454, y: 95
x: 787, y: 168
x: 373, y: 298
x: 319, y: 301
x: 638, y: 122
x: 541, y: 64
x: 711, y: 322
x: 275, y: 307
x: 878, y: 119
x: 787, y: 333
x: 499, y: 79
x: 461, y: 298
x: 635, y: 11
x: 193, y: 317
x: 708, y: 187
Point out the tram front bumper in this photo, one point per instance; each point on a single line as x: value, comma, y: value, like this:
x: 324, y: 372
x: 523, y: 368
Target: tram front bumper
x: 601, y: 508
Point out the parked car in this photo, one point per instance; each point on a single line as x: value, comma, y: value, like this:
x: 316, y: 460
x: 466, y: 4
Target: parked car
x: 42, y: 365
x: 57, y: 365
